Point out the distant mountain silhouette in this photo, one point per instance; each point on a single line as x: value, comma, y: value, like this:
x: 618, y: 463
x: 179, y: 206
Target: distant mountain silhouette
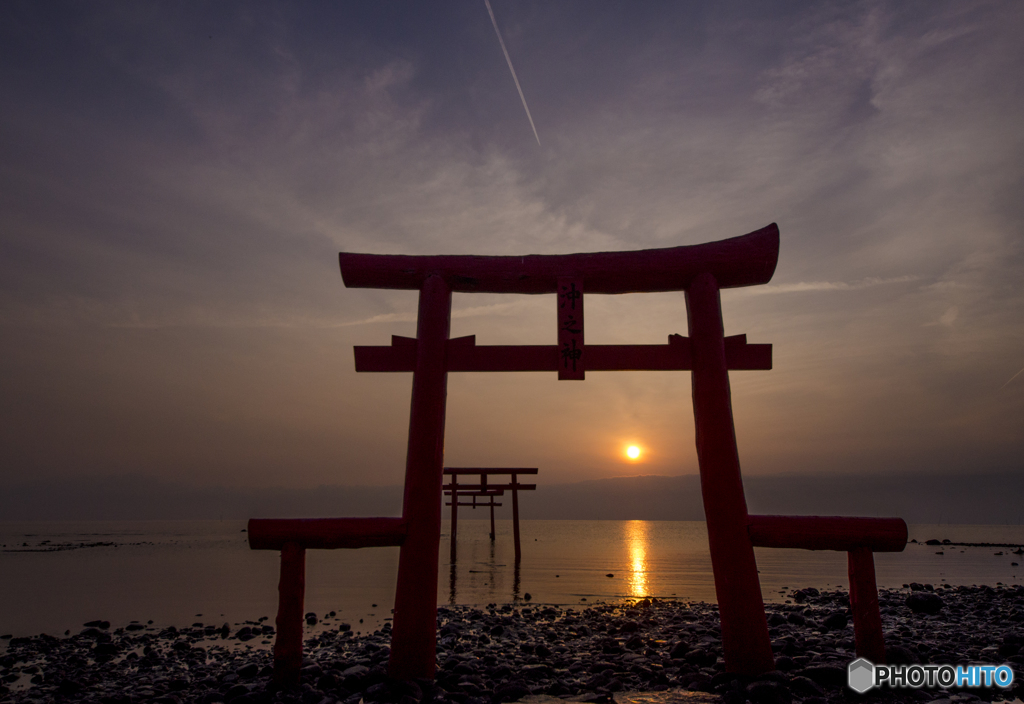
x: 918, y: 498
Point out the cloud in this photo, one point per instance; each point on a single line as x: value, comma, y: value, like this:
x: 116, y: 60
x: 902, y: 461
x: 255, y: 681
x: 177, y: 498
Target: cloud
x: 805, y: 287
x: 171, y: 208
x: 508, y: 308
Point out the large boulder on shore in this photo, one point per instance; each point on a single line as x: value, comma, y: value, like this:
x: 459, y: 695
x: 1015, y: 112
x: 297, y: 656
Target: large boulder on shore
x: 924, y: 603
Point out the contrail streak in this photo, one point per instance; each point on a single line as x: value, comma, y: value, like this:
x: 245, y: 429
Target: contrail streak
x: 514, y: 77
x: 1011, y: 379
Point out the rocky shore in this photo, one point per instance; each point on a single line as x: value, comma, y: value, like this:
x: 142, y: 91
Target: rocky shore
x: 523, y: 651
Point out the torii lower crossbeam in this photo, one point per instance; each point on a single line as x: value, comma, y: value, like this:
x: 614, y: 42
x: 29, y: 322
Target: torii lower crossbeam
x: 464, y: 355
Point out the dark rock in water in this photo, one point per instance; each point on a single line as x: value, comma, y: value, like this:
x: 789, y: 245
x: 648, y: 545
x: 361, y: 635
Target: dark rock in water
x: 924, y: 603
x: 835, y: 621
x: 634, y: 643
x: 598, y: 698
x: 105, y: 650
x: 1008, y: 649
x: 767, y: 692
x: 97, y: 624
x: 355, y: 671
x: 311, y: 619
x: 806, y: 687
x: 69, y: 688
x: 535, y: 672
x: 169, y: 699
x: 701, y: 657
x: 724, y: 680
x: 825, y: 675
x: 802, y: 595
x: 898, y: 655
x: 558, y: 689
x: 773, y: 676
x: 327, y: 682
x: 784, y: 663
x: 933, y: 541
x: 248, y: 671
x: 235, y: 692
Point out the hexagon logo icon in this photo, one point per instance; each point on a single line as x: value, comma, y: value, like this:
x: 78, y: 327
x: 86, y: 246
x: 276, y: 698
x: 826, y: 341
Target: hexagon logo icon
x: 860, y: 675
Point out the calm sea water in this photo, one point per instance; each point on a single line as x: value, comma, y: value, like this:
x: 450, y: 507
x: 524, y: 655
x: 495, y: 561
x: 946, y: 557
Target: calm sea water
x: 179, y: 573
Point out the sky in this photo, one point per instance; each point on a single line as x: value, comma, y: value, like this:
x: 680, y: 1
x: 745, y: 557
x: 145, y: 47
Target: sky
x: 177, y: 179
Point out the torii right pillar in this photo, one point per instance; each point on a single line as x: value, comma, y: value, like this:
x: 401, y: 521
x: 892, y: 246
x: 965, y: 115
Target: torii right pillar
x: 746, y: 646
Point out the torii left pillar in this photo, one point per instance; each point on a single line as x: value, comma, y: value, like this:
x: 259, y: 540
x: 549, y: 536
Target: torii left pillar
x: 414, y: 632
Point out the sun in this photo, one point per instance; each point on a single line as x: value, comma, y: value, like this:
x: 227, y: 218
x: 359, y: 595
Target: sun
x: 633, y: 452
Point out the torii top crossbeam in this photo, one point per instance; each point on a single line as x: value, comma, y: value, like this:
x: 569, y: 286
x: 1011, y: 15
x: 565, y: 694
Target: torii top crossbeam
x: 740, y: 261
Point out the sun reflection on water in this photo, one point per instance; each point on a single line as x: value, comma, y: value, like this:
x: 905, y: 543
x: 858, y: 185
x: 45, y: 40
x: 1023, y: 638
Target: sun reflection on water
x: 636, y: 535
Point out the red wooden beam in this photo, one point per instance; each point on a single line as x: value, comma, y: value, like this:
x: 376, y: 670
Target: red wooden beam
x: 325, y: 533
x: 746, y: 646
x: 868, y: 637
x: 472, y: 492
x: 488, y: 471
x: 414, y: 631
x: 464, y: 355
x: 454, y: 527
x: 291, y: 594
x: 485, y: 487
x: 515, y: 525
x: 828, y: 533
x: 739, y: 261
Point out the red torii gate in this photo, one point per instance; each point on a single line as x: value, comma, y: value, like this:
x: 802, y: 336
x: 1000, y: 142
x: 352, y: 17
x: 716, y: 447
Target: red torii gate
x: 482, y: 494
x: 700, y: 271
x: 454, y: 489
